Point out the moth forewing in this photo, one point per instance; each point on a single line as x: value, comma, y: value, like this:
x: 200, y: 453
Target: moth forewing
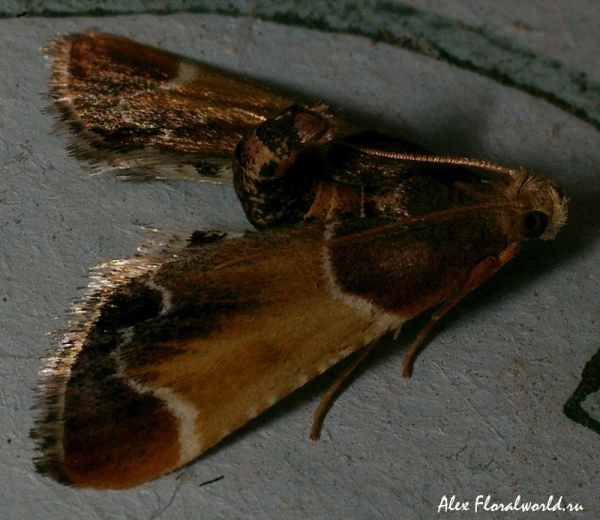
x: 151, y: 113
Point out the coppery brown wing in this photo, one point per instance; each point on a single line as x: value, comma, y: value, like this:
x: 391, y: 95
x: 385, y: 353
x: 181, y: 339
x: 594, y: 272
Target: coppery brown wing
x: 131, y: 106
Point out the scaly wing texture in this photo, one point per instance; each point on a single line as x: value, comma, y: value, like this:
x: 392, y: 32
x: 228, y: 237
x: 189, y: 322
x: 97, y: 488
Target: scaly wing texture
x: 131, y: 105
x: 173, y: 356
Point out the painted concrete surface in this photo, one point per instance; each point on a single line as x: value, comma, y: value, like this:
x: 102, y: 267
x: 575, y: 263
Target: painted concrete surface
x: 482, y: 414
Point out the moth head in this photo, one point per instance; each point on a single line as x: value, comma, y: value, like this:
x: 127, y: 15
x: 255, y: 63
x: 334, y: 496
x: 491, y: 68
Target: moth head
x: 540, y: 204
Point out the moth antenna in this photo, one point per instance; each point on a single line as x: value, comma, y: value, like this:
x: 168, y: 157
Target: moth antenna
x: 321, y: 411
x: 438, y: 159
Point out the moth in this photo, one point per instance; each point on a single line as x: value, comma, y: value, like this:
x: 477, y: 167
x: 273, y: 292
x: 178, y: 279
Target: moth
x: 356, y: 233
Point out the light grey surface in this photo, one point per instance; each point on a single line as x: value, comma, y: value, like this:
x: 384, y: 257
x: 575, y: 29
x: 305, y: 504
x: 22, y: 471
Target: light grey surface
x: 481, y: 415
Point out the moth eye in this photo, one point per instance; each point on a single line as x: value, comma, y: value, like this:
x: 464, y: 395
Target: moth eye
x: 533, y: 224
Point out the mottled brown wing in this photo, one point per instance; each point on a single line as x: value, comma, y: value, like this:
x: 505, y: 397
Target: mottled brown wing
x: 172, y: 355
x: 130, y: 105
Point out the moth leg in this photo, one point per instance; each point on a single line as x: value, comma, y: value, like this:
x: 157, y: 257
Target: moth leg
x: 275, y: 168
x: 480, y: 273
x: 321, y: 411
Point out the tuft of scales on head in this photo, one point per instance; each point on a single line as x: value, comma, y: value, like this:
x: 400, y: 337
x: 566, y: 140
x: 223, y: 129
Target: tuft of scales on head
x: 529, y: 193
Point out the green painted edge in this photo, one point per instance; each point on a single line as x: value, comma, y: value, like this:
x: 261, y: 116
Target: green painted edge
x: 394, y: 23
